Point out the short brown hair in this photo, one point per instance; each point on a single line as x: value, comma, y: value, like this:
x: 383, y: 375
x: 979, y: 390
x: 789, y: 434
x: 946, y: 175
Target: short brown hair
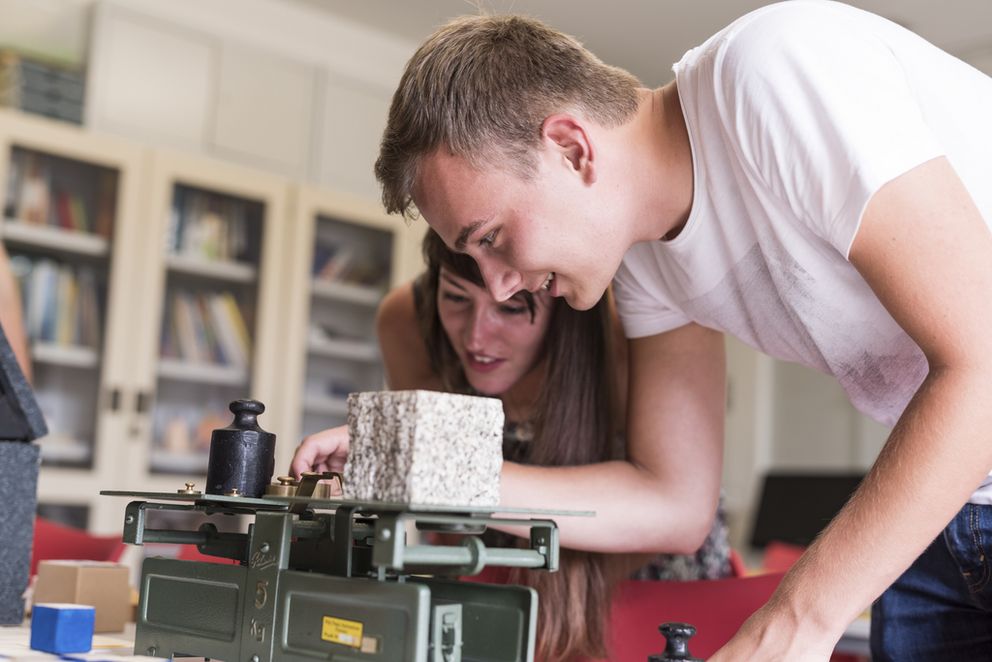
x: 484, y: 83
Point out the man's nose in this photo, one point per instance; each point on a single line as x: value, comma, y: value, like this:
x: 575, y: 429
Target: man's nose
x: 502, y: 282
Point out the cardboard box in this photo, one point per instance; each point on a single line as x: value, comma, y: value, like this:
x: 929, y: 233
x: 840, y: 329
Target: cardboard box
x: 103, y: 585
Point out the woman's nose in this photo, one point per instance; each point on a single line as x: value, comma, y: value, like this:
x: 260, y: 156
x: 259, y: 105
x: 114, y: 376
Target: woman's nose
x: 478, y: 330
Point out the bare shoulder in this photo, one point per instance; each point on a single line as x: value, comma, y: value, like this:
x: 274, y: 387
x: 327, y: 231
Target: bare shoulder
x: 404, y: 352
x: 397, y: 312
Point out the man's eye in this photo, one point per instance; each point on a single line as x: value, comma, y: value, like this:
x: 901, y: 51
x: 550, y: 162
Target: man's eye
x: 489, y: 239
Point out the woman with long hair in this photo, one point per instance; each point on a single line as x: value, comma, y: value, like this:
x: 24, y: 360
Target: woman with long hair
x: 561, y: 379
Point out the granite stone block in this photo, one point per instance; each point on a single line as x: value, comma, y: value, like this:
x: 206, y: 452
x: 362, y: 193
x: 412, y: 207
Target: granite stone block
x: 424, y: 447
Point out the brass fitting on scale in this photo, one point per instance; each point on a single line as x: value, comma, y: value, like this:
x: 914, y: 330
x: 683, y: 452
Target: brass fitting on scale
x: 310, y: 485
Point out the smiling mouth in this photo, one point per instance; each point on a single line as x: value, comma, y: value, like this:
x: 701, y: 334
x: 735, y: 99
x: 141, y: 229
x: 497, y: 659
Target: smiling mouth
x: 480, y: 358
x: 546, y: 285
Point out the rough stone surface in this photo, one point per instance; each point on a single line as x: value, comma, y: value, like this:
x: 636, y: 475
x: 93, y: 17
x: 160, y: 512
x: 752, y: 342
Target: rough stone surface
x: 18, y: 485
x: 424, y: 447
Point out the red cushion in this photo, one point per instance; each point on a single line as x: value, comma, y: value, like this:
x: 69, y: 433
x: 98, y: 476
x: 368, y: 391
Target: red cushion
x: 716, y: 607
x: 55, y: 541
x: 780, y: 556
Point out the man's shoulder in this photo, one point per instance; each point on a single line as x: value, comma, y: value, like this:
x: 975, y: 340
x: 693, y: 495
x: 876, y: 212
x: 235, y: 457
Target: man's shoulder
x: 774, y: 34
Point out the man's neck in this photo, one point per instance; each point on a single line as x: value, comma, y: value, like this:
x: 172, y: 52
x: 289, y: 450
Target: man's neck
x: 660, y: 170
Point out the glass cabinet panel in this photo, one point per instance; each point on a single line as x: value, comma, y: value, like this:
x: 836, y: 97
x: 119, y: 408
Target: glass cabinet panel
x: 212, y: 261
x: 350, y: 272
x: 59, y: 219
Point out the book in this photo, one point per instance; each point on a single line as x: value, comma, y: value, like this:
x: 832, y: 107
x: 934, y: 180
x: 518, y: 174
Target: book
x: 235, y: 352
x: 236, y: 323
x: 66, y: 304
x: 106, y: 205
x: 182, y: 311
x: 80, y: 217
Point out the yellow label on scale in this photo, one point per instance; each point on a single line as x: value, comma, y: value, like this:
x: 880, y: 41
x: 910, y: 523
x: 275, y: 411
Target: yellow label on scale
x: 340, y: 631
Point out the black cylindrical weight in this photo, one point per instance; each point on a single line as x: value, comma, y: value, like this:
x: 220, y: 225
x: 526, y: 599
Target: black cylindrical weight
x: 242, y: 455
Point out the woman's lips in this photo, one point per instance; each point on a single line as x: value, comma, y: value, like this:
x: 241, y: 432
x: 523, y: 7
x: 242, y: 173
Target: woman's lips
x: 483, y: 366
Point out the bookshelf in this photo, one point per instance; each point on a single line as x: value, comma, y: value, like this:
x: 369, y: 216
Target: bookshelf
x: 346, y: 254
x: 69, y: 223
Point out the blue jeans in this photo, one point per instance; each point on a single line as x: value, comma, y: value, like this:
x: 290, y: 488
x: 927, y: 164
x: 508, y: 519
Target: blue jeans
x: 941, y: 607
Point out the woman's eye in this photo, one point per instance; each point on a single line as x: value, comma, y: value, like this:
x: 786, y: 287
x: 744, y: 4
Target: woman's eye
x: 454, y: 298
x: 513, y: 310
x: 489, y: 239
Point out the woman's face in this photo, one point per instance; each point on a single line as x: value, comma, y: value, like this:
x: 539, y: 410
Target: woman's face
x: 497, y: 342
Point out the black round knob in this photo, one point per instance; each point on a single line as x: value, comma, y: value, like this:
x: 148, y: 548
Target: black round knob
x: 245, y: 414
x: 677, y: 637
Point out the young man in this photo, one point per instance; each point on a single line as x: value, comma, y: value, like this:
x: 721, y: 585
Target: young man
x: 815, y: 181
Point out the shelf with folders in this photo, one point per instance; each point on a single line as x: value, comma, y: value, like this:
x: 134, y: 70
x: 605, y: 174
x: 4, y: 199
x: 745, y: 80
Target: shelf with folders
x: 213, y: 279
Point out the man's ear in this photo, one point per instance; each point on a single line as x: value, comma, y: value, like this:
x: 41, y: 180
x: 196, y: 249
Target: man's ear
x: 567, y: 136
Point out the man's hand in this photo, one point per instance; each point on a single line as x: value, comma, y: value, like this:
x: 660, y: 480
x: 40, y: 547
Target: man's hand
x: 326, y: 450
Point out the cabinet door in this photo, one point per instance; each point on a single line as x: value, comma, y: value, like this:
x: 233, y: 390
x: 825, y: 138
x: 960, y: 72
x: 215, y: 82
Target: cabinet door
x: 346, y: 254
x: 351, y: 119
x: 263, y: 114
x: 69, y: 226
x: 150, y: 79
x: 211, y: 261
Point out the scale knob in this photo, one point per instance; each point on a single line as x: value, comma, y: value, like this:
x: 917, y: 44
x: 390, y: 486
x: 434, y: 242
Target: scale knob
x: 677, y: 637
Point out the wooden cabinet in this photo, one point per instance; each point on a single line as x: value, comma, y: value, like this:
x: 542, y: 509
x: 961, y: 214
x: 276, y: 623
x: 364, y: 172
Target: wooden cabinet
x: 159, y: 286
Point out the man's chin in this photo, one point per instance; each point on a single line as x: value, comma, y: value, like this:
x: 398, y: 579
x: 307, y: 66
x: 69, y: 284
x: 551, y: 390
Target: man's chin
x: 579, y: 302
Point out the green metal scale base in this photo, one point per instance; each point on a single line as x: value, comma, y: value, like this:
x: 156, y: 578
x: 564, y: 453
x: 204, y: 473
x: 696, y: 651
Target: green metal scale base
x: 333, y: 579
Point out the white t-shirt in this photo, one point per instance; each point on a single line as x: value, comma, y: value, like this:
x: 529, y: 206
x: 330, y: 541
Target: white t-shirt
x: 797, y: 114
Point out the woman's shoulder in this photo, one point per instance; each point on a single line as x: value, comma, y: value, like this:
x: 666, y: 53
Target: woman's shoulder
x: 401, y: 341
x: 398, y: 307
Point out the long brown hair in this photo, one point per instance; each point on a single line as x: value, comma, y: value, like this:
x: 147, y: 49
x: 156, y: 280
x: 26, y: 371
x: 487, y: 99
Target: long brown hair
x: 574, y: 424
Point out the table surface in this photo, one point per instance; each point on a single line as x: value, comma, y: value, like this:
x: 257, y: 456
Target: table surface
x: 15, y: 644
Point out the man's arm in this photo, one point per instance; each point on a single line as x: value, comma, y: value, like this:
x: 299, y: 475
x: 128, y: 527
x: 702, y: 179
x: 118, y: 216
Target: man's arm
x: 664, y: 496
x: 926, y: 252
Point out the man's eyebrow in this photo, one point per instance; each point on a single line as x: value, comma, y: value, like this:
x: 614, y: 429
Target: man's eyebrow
x: 465, y: 234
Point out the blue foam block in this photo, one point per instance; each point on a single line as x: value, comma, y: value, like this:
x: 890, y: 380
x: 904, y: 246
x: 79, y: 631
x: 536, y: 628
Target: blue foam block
x: 62, y: 628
